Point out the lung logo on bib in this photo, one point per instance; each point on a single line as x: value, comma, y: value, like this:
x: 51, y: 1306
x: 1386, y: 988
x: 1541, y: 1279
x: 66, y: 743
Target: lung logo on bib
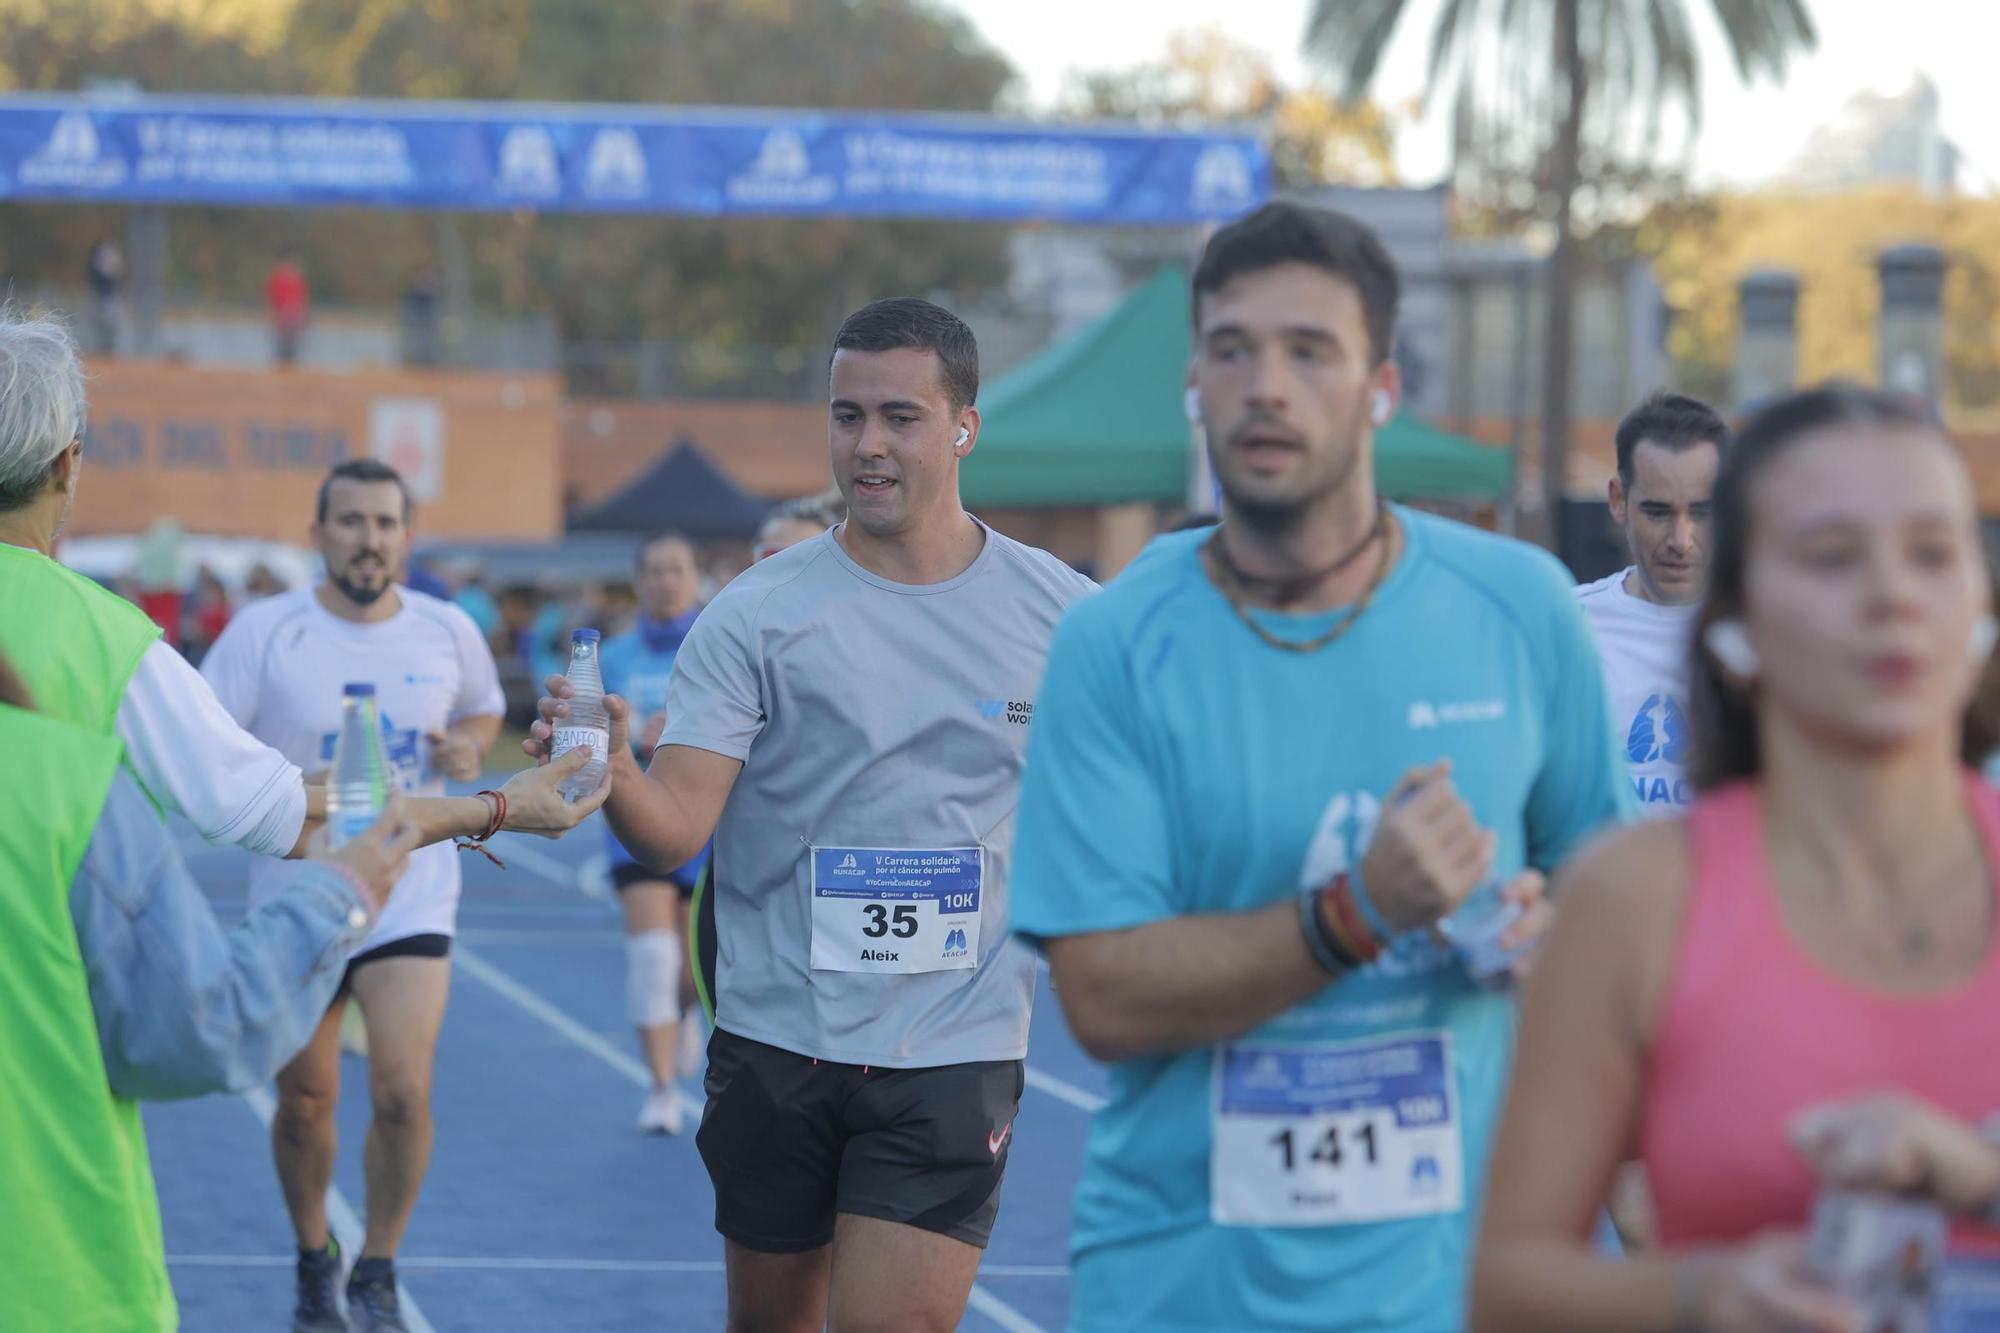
x: 1659, y: 731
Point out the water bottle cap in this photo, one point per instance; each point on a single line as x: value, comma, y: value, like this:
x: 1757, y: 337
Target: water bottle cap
x: 585, y: 636
x: 358, y: 687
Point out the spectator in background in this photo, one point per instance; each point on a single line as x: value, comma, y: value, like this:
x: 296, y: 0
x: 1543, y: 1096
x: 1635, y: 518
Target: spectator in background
x: 261, y: 582
x: 795, y: 520
x: 422, y: 345
x: 206, y: 613
x: 419, y: 575
x: 105, y: 272
x: 156, y: 575
x: 290, y: 305
x: 470, y: 593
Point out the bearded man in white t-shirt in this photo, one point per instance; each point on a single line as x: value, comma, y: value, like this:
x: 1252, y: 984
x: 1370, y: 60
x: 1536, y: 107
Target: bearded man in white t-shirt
x: 279, y: 668
x: 1668, y: 450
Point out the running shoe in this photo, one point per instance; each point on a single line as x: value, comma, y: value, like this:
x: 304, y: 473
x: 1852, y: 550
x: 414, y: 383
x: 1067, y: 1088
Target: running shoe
x: 663, y: 1112
x: 318, y: 1309
x: 372, y: 1304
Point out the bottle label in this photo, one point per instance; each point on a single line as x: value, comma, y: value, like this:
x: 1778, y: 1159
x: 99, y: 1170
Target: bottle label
x: 566, y: 739
x: 345, y: 826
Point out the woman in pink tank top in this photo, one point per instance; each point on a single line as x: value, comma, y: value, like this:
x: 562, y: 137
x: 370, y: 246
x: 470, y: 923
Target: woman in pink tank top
x: 1798, y: 985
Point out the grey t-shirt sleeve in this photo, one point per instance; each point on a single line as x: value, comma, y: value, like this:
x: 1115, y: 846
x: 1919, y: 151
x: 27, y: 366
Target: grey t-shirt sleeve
x: 715, y: 700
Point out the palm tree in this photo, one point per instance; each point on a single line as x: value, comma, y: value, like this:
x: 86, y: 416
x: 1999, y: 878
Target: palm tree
x: 1647, y: 46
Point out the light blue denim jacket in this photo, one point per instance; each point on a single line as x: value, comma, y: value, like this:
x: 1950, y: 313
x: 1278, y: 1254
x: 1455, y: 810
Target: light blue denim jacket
x: 183, y: 1006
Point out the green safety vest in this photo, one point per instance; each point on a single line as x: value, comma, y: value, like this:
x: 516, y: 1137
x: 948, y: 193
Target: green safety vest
x: 80, y: 1247
x: 76, y: 644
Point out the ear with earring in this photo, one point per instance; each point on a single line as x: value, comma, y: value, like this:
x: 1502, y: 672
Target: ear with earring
x: 1730, y: 644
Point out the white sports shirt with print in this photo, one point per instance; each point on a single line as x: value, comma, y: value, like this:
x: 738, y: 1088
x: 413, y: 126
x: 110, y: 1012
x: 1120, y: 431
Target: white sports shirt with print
x: 1644, y: 648
x: 279, y: 669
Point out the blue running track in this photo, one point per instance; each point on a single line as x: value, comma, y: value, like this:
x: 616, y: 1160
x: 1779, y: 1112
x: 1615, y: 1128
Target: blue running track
x: 544, y: 1211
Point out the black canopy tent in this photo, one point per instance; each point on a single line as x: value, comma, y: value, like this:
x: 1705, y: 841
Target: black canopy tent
x: 682, y: 492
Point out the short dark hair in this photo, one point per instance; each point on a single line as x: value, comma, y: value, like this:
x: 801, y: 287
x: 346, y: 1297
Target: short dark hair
x: 367, y: 470
x: 1722, y: 718
x: 1288, y: 233
x: 1672, y: 421
x: 907, y: 321
x: 658, y: 538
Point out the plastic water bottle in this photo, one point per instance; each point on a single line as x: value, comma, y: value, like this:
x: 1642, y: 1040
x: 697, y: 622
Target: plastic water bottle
x: 587, y: 723
x: 1475, y: 930
x: 359, y: 785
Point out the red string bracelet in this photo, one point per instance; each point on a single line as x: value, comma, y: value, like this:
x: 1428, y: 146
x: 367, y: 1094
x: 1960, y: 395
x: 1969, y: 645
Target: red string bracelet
x: 493, y: 826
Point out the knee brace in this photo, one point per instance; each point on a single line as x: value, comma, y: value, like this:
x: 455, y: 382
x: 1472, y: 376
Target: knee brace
x: 653, y: 977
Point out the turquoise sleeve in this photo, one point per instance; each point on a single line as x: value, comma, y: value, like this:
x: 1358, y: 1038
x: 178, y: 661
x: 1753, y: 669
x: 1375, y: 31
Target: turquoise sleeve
x: 1093, y: 844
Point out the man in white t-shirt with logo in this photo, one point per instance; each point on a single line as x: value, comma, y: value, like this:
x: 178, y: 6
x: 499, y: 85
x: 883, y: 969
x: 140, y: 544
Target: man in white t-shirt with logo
x: 1668, y: 450
x: 279, y: 668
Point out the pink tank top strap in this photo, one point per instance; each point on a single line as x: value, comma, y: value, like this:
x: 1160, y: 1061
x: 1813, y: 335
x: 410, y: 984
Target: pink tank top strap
x: 1727, y: 915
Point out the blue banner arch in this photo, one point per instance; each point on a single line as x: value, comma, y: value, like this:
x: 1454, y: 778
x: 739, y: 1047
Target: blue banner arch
x: 503, y: 156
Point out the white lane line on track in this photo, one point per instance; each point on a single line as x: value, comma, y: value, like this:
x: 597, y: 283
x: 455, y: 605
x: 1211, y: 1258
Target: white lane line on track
x: 1001, y: 1313
x: 517, y: 851
x: 547, y: 1265
x: 1064, y: 1091
x: 341, y: 1219
x: 981, y: 1300
x: 576, y: 1033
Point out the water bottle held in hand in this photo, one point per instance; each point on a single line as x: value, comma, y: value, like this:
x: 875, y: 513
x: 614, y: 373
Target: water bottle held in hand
x: 358, y: 786
x: 587, y: 723
x: 1475, y: 930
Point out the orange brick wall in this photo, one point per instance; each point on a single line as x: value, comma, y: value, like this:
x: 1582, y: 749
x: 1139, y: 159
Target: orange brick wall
x: 241, y: 453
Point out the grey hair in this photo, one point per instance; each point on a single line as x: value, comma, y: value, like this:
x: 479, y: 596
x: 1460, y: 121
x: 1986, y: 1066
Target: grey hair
x: 42, y: 406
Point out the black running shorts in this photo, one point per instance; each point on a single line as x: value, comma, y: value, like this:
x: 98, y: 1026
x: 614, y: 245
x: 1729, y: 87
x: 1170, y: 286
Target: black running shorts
x: 790, y: 1141
x: 625, y: 875
x: 410, y: 946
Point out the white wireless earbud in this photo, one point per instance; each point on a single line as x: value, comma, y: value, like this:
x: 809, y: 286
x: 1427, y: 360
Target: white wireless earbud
x: 1985, y: 636
x: 1730, y: 643
x: 963, y: 436
x: 1378, y: 410
x: 1191, y: 404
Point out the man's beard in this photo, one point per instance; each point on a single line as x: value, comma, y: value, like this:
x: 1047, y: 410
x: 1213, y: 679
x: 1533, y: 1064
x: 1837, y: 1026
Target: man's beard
x: 356, y: 593
x: 1279, y: 516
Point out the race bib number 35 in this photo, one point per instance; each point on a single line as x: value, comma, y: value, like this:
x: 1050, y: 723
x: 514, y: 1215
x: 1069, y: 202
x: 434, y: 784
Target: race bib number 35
x: 890, y: 909
x: 1321, y: 1135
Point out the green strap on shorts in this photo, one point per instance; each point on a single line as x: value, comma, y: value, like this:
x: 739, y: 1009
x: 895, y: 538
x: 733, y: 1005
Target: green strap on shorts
x: 703, y: 987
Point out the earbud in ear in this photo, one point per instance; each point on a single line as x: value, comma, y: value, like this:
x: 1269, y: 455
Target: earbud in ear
x: 1191, y: 404
x: 1985, y: 636
x: 1378, y: 410
x: 1730, y: 643
x: 963, y: 436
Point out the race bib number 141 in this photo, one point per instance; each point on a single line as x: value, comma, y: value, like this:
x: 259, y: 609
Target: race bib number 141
x: 1320, y: 1135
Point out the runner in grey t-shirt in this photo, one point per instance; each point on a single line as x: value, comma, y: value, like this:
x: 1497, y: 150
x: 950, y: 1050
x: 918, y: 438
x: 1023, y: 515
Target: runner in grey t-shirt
x: 849, y: 718
x: 861, y: 910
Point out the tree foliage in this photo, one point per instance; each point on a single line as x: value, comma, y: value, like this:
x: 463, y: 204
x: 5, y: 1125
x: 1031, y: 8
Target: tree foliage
x: 743, y: 282
x: 1207, y: 78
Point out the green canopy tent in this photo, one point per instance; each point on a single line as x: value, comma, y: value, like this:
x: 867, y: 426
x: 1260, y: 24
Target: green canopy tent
x: 1099, y: 419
